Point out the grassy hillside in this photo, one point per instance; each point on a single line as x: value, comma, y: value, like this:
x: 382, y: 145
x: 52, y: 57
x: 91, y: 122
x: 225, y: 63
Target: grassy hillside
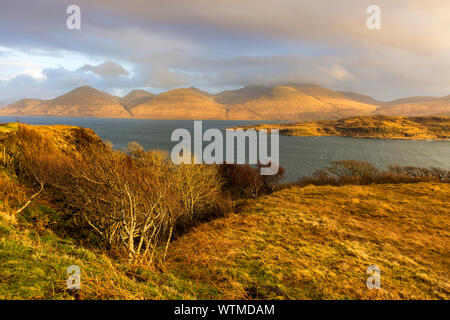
x: 316, y: 243
x: 300, y: 243
x: 312, y: 242
x: 368, y: 127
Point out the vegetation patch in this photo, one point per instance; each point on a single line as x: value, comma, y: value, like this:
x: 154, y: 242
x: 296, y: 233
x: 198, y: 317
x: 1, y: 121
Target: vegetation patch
x: 383, y: 127
x: 66, y: 198
x: 316, y: 242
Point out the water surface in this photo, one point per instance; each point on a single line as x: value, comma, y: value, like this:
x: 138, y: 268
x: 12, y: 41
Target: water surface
x: 299, y: 155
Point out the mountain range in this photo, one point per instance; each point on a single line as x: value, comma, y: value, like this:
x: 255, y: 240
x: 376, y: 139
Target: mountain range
x: 288, y: 102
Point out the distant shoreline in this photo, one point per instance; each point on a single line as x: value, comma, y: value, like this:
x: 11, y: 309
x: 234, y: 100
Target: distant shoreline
x: 369, y: 127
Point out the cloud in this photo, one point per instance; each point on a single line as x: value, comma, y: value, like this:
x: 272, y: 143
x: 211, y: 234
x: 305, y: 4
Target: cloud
x: 225, y: 44
x: 339, y: 72
x: 107, y: 69
x: 105, y: 76
x: 54, y: 82
x: 161, y: 77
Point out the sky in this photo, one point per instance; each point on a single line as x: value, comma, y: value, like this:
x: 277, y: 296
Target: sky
x: 224, y: 44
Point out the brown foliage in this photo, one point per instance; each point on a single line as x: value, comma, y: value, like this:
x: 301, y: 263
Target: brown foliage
x: 33, y: 158
x: 243, y: 181
x: 11, y: 195
x: 134, y: 200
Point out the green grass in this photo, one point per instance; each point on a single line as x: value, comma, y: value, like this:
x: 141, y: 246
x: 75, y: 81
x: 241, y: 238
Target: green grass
x: 33, y: 265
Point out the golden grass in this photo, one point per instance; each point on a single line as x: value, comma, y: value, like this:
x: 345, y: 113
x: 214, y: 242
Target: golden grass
x: 8, y: 127
x: 314, y: 242
x: 317, y: 242
x: 12, y: 196
x: 299, y: 243
x: 63, y: 136
x: 368, y: 127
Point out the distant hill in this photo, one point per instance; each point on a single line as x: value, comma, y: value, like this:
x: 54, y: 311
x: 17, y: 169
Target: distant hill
x: 291, y: 102
x: 362, y: 98
x: 81, y: 102
x: 24, y: 105
x: 135, y: 97
x: 300, y: 102
x: 242, y: 95
x: 187, y: 103
x: 417, y: 106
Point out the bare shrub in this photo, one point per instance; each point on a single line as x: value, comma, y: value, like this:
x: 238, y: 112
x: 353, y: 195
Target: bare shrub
x: 244, y: 181
x: 137, y: 199
x: 418, y: 173
x: 128, y: 205
x: 241, y: 180
x: 32, y: 157
x: 441, y: 174
x: 352, y: 168
x: 358, y: 172
x: 134, y: 200
x: 270, y: 182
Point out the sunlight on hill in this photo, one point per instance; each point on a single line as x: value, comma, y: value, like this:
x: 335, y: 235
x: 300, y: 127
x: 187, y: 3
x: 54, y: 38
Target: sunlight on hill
x: 317, y: 242
x: 312, y: 242
x: 368, y: 127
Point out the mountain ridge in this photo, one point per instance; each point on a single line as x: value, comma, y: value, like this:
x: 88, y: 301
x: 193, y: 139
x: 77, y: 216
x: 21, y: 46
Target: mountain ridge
x: 290, y: 102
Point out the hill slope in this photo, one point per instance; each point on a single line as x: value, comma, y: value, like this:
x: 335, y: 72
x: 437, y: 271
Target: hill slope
x: 299, y: 243
x: 25, y: 106
x: 417, y: 106
x: 314, y: 242
x: 135, y: 97
x: 187, y: 103
x: 317, y: 242
x: 81, y: 102
x: 302, y: 102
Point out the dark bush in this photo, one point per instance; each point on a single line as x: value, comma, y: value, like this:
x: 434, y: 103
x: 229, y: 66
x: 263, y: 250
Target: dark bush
x: 362, y: 173
x: 352, y: 168
x: 244, y: 181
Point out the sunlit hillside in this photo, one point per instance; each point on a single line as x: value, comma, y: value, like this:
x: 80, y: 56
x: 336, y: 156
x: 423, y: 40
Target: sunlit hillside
x: 311, y: 242
x: 290, y: 102
x: 82, y: 102
x: 300, y: 243
x: 419, y: 106
x: 368, y: 127
x: 180, y: 104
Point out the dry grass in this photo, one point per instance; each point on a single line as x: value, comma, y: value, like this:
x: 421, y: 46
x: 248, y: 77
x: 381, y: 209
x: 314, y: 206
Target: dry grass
x: 299, y: 243
x: 317, y: 242
x: 33, y: 266
x: 12, y: 196
x: 369, y: 127
x: 314, y: 242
